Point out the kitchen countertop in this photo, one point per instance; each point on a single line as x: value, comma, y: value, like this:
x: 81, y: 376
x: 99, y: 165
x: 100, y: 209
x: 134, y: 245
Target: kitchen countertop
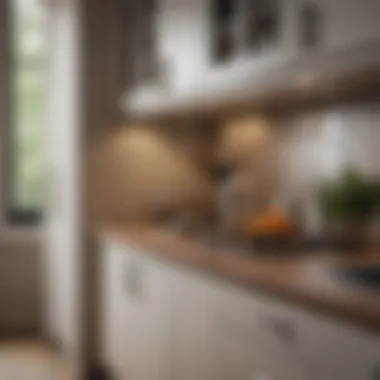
x: 307, y: 280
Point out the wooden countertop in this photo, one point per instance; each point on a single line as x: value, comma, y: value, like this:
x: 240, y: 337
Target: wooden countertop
x: 306, y: 280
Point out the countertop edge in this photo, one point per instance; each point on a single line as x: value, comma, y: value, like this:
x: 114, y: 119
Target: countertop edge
x: 353, y: 306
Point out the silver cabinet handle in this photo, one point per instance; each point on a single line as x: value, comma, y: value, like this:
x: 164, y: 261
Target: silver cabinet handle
x: 281, y: 328
x: 133, y: 279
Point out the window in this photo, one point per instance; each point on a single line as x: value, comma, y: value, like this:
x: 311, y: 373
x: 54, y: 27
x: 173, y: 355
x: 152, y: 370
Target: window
x: 26, y: 172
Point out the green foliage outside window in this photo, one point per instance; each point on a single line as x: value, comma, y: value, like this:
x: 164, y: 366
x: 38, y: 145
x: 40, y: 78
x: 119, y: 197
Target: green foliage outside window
x: 29, y: 83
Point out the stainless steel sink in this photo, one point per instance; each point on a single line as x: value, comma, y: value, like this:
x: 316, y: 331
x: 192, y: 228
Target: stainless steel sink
x: 366, y: 276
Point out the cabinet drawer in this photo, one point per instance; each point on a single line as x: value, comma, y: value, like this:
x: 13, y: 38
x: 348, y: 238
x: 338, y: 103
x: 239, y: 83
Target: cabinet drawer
x: 342, y: 351
x: 252, y: 312
x: 328, y: 349
x: 350, y: 22
x: 256, y: 342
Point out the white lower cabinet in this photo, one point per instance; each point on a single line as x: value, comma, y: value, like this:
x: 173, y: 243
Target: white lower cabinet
x: 193, y: 330
x: 254, y: 344
x: 134, y: 322
x: 143, y: 334
x: 111, y: 308
x: 164, y: 322
x: 286, y: 342
x: 248, y: 359
x: 338, y: 351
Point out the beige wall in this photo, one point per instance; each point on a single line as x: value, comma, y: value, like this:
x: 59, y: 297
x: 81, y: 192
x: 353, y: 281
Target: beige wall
x: 136, y: 169
x: 303, y: 150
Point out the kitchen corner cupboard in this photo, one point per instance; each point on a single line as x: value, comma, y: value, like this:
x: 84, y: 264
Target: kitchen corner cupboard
x: 162, y: 321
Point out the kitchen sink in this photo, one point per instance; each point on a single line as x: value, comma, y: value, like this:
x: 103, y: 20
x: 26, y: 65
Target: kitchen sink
x: 366, y: 276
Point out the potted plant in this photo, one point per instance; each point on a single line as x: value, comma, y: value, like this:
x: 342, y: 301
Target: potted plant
x: 347, y: 206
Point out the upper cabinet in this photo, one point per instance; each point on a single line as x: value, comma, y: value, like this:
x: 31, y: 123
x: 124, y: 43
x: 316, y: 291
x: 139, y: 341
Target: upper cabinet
x: 247, y: 37
x: 199, y: 38
x: 242, y: 28
x: 192, y: 55
x: 183, y: 40
x: 347, y: 23
x: 253, y: 29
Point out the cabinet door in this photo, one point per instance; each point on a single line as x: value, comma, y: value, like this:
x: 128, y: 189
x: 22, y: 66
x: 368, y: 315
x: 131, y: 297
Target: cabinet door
x: 144, y: 332
x: 192, y: 328
x: 183, y: 39
x: 111, y: 308
x: 342, y: 352
x: 349, y: 22
x: 248, y: 355
x: 253, y: 344
x: 133, y: 321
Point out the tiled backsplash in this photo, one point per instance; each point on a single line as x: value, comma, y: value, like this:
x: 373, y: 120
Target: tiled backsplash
x: 138, y: 167
x: 316, y: 146
x: 305, y: 149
